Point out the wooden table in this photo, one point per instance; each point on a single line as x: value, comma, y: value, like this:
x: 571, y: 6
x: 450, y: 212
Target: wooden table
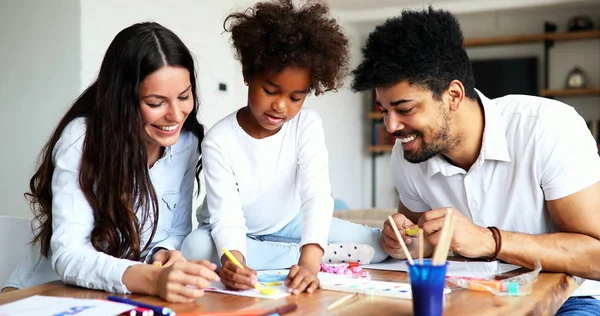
x: 549, y: 293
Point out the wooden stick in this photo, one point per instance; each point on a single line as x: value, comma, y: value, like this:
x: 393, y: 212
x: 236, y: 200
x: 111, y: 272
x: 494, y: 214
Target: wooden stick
x: 341, y: 301
x: 448, y: 242
x: 421, y: 246
x: 439, y: 257
x: 401, y: 241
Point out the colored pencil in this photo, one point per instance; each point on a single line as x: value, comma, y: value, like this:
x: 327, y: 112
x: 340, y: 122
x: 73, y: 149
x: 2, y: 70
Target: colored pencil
x: 282, y: 309
x: 158, y: 310
x: 263, y: 290
x: 288, y: 308
x: 341, y: 301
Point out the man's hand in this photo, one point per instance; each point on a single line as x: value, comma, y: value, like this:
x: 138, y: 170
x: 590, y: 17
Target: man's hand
x: 391, y: 244
x: 468, y: 240
x: 166, y: 257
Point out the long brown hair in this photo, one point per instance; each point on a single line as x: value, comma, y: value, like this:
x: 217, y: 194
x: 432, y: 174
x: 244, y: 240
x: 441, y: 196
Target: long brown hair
x: 114, y: 176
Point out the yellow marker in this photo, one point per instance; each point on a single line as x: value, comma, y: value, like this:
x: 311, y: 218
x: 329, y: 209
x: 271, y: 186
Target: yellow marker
x: 158, y: 264
x: 263, y: 290
x: 412, y: 232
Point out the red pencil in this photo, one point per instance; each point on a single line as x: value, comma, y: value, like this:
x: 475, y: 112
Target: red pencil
x: 251, y: 312
x: 282, y: 309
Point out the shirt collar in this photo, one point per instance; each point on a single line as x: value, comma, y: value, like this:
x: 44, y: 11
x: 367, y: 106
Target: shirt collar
x: 493, y: 147
x: 169, y: 152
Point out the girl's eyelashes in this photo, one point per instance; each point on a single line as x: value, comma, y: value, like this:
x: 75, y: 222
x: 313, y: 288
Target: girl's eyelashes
x: 269, y: 92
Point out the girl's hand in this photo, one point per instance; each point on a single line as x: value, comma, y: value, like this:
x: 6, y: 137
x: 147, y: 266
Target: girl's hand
x: 301, y: 279
x: 236, y: 278
x: 172, y: 281
x: 166, y: 257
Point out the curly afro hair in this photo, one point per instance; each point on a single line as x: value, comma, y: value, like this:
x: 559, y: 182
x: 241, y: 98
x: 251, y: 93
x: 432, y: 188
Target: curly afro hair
x: 274, y: 35
x: 424, y: 47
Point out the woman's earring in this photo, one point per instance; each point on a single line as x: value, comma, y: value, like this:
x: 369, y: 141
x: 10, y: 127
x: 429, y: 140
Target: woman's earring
x: 246, y: 83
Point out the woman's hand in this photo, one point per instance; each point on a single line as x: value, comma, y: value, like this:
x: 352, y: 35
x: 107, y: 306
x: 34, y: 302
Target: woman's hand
x: 173, y: 280
x: 166, y: 257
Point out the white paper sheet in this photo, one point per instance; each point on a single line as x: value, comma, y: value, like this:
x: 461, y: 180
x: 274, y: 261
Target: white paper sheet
x: 476, y: 269
x: 588, y: 288
x: 346, y: 283
x: 50, y: 305
x: 281, y: 289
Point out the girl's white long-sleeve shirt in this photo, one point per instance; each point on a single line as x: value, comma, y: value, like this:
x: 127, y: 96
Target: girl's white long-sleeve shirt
x: 257, y: 186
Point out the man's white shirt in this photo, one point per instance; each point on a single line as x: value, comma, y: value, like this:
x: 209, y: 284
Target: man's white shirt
x: 534, y: 149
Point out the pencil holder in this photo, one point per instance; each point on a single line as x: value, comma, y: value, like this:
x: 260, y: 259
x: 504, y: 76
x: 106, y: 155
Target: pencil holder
x: 427, y: 284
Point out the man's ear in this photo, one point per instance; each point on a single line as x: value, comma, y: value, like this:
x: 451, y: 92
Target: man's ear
x: 455, y: 94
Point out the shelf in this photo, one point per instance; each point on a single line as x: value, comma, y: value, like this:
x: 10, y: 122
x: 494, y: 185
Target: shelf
x: 569, y: 92
x: 380, y: 148
x: 375, y: 115
x: 532, y: 38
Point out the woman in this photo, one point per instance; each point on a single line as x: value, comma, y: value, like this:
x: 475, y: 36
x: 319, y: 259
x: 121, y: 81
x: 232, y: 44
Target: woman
x: 115, y: 182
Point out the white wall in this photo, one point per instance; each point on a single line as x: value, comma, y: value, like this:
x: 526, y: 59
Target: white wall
x: 200, y: 27
x: 52, y: 52
x: 199, y: 24
x: 345, y: 133
x: 39, y: 78
x: 563, y: 57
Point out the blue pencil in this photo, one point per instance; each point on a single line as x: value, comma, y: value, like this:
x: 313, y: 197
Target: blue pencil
x: 157, y: 309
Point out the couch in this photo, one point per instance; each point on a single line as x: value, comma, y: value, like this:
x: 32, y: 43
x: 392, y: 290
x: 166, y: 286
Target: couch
x: 373, y: 217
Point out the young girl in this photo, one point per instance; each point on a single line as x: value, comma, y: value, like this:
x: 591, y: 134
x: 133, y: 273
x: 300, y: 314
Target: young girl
x: 268, y: 196
x: 116, y: 179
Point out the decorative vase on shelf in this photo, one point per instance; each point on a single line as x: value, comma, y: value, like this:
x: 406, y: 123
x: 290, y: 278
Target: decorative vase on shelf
x: 576, y: 79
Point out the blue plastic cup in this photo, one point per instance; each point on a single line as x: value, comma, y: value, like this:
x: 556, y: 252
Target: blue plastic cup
x: 427, y: 284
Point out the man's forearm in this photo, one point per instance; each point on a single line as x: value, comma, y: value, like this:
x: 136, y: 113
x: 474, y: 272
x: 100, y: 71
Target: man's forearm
x: 576, y: 254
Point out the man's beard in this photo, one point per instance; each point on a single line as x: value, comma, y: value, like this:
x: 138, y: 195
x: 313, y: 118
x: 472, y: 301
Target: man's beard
x: 441, y: 142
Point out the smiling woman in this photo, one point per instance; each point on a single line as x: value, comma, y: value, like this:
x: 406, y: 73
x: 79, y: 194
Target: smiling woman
x: 165, y: 102
x: 115, y: 184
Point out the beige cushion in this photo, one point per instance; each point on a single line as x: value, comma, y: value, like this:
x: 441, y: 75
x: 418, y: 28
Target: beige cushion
x: 373, y: 217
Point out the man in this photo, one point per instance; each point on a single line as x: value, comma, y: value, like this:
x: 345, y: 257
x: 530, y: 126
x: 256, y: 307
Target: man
x: 526, y: 165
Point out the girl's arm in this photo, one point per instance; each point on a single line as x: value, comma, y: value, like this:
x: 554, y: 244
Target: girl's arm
x: 223, y: 199
x: 315, y: 189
